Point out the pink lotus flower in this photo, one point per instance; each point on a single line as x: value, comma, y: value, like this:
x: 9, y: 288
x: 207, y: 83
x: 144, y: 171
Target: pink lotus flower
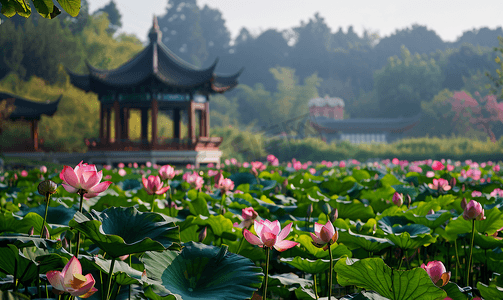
x: 342, y: 164
x: 84, y: 178
x: 122, y: 172
x: 213, y: 173
x: 437, y: 166
x: 194, y: 180
x: 121, y: 165
x: 223, y: 184
x: 257, y: 167
x: 496, y: 168
x: 473, y: 211
x: 43, y: 169
x: 154, y: 185
x: 398, y: 199
x: 249, y: 215
x: 167, y: 172
x: 24, y: 173
x: 148, y: 164
x: 476, y: 194
x: 430, y: 174
x: 439, y: 184
x: 324, y: 235
x: 71, y: 280
x: 269, y: 235
x: 437, y: 272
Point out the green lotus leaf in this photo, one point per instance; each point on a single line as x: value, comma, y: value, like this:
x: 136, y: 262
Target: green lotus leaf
x: 9, y: 295
x: 454, y: 291
x: 354, y: 210
x: 364, y: 295
x: 406, y: 190
x: 492, y: 223
x: 490, y: 292
x: 59, y: 215
x: 35, y: 220
x: 203, y: 272
x: 304, y: 294
x: 308, y: 265
x: 373, y: 274
x: 123, y: 273
x: 119, y: 231
x: 13, y: 261
x: 487, y: 242
x: 395, y: 225
x: 406, y: 241
x: 243, y: 178
x: 220, y: 225
x: 390, y: 180
x: 199, y: 206
x: 24, y: 240
x: 431, y: 221
x: 384, y: 192
x: 368, y: 243
x: 338, y: 250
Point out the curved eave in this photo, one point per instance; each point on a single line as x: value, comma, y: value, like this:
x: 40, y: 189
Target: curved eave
x: 81, y: 81
x: 223, y: 83
x: 29, y: 109
x: 397, y: 125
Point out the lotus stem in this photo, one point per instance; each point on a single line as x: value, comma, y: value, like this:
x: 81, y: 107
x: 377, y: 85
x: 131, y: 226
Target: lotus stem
x: 315, y: 287
x: 330, y: 272
x: 222, y: 204
x: 110, y: 273
x: 153, y: 203
x: 470, y: 257
x: 47, y: 198
x: 170, y: 201
x: 264, y: 293
x: 38, y: 282
x: 457, y: 258
x: 240, y: 244
x: 77, y: 247
x: 129, y: 286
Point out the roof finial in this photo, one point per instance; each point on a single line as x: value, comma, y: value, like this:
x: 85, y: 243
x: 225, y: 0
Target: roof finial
x: 155, y: 33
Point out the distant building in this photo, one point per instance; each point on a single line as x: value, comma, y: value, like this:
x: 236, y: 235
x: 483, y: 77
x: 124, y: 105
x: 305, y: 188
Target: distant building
x: 326, y: 116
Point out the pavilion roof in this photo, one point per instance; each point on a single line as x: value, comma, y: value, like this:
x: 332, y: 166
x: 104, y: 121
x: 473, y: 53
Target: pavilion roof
x: 156, y: 62
x: 29, y: 109
x: 371, y: 125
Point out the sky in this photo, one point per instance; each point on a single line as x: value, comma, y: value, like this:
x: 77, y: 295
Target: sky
x: 448, y: 18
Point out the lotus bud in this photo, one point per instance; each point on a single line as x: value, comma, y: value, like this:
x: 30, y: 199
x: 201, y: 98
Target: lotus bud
x: 409, y: 200
x: 326, y: 208
x: 65, y: 243
x: 398, y: 199
x: 334, y: 214
x: 31, y: 231
x: 452, y: 182
x: 463, y: 188
x: 374, y: 229
x: 431, y: 212
x: 437, y: 272
x: 47, y: 187
x: 144, y: 275
x: 203, y: 234
x: 124, y: 257
x: 45, y: 233
x: 463, y: 203
x: 309, y: 210
x: 473, y: 211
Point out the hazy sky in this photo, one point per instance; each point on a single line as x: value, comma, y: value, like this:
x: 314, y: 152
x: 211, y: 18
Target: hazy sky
x: 449, y: 18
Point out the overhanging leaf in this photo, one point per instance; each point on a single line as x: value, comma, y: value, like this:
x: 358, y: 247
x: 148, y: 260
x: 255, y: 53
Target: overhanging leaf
x: 374, y: 274
x: 203, y: 272
x: 119, y: 231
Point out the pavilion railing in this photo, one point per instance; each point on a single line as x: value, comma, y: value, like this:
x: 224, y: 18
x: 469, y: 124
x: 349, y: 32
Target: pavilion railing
x: 201, y: 143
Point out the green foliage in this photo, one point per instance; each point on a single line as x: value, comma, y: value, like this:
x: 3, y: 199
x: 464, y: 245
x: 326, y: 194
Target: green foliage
x: 405, y: 82
x: 374, y: 274
x: 45, y: 8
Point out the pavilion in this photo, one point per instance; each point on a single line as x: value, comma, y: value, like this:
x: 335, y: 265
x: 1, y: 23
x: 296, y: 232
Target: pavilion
x: 29, y: 111
x: 155, y: 80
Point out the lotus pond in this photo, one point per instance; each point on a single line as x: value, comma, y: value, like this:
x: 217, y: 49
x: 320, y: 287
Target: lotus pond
x: 338, y: 230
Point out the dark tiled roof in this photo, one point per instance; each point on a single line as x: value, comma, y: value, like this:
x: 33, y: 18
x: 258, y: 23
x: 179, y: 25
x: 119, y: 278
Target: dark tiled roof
x: 29, y: 109
x: 157, y: 62
x: 394, y: 125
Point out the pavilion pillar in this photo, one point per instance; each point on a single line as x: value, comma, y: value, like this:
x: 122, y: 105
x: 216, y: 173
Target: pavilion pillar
x: 207, y: 118
x: 144, y: 126
x: 200, y: 114
x: 177, y: 132
x: 125, y: 123
x: 102, y: 122
x: 109, y: 126
x: 117, y: 122
x: 34, y: 134
x: 155, y: 109
x: 192, y: 122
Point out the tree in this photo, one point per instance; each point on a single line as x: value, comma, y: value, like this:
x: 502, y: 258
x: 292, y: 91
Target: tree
x: 45, y: 8
x: 182, y: 31
x: 405, y: 82
x: 215, y: 33
x: 6, y: 108
x: 114, y: 16
x: 11, y: 50
x: 483, y: 113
